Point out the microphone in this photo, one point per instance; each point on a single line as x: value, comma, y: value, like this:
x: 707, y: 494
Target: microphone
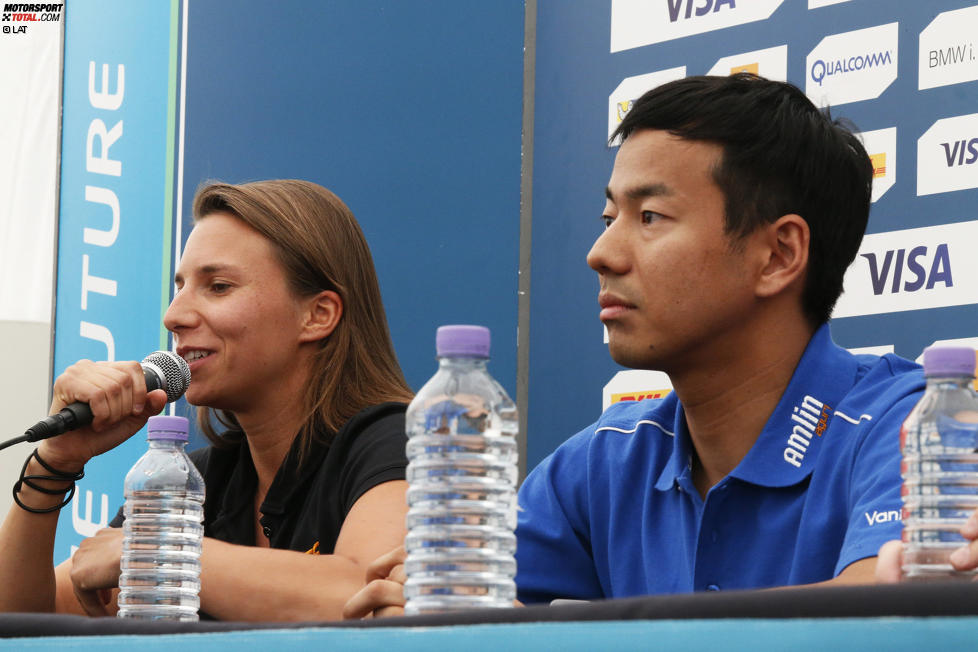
x: 163, y: 370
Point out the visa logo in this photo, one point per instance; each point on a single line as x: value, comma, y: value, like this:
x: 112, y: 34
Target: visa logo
x: 954, y: 153
x: 708, y: 5
x: 890, y: 269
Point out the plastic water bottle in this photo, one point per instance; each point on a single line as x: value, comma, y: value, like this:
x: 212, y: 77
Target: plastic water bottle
x: 162, y: 531
x: 462, y: 472
x: 940, y: 465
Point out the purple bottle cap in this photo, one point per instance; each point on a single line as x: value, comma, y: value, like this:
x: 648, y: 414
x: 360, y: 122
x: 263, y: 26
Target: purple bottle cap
x: 466, y: 341
x: 166, y: 427
x: 949, y: 361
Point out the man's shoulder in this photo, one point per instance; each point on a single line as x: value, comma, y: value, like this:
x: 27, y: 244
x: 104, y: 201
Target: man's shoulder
x: 884, y: 380
x: 624, y: 426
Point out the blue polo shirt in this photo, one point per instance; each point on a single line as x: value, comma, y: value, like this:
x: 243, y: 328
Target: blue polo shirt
x: 613, y: 511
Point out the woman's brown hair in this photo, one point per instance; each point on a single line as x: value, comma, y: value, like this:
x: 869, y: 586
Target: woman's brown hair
x: 321, y: 247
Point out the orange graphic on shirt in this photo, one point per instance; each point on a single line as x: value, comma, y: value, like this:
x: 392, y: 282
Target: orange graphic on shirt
x: 314, y: 550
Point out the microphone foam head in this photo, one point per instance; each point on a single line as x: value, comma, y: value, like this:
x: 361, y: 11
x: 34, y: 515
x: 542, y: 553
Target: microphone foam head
x: 175, y: 370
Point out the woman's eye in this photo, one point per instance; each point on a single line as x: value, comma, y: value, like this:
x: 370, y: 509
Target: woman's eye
x: 607, y: 220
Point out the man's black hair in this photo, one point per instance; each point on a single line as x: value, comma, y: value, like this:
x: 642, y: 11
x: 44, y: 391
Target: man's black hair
x: 781, y: 155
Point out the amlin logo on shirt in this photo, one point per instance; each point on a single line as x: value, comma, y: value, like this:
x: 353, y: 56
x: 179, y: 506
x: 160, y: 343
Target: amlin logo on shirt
x: 947, y: 155
x: 852, y: 66
x: 809, y: 419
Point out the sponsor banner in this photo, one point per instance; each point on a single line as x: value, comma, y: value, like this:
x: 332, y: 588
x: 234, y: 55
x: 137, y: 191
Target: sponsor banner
x: 815, y: 4
x: 771, y: 63
x: 852, y: 66
x: 947, y: 49
x: 635, y: 385
x: 881, y: 147
x: 115, y: 219
x: 632, y: 88
x: 929, y: 267
x: 635, y: 23
x: 947, y: 155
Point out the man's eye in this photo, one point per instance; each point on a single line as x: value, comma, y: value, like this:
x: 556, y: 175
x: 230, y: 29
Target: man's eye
x: 607, y: 220
x: 220, y: 288
x: 650, y: 216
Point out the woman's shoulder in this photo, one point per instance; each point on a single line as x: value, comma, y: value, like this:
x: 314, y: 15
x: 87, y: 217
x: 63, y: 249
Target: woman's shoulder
x: 379, y: 418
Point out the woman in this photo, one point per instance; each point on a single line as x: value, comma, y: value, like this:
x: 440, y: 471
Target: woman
x: 278, y: 313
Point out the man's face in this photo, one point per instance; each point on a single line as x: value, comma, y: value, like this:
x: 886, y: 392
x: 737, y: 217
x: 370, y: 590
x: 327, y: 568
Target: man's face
x: 673, y: 284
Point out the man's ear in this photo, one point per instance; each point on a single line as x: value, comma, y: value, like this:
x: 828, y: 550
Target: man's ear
x: 786, y: 254
x: 322, y: 314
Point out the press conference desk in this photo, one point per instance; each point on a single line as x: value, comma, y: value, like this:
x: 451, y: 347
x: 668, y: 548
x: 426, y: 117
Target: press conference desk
x: 905, y: 617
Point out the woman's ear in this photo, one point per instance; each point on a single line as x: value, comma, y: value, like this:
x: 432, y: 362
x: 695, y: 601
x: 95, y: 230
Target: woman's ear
x: 322, y: 314
x: 787, y: 240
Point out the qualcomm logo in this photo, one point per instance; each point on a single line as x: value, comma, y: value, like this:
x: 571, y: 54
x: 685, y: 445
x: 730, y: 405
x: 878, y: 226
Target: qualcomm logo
x: 881, y: 147
x: 928, y: 267
x: 947, y: 49
x: 635, y: 23
x: 631, y: 88
x: 852, y: 66
x: 947, y: 154
x: 771, y: 63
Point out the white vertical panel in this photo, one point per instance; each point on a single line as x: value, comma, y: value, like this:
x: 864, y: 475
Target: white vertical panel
x: 30, y: 76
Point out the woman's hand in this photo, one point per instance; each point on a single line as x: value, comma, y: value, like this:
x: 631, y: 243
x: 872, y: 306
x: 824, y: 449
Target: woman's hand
x: 95, y: 571
x: 116, y: 393
x: 384, y: 593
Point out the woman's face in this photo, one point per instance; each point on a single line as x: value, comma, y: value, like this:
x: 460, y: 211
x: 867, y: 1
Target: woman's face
x: 233, y: 317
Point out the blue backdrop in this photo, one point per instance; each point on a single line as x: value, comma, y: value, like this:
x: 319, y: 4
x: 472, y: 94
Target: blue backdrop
x: 576, y: 72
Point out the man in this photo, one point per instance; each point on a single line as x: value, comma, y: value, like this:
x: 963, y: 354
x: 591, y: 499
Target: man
x: 733, y: 210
